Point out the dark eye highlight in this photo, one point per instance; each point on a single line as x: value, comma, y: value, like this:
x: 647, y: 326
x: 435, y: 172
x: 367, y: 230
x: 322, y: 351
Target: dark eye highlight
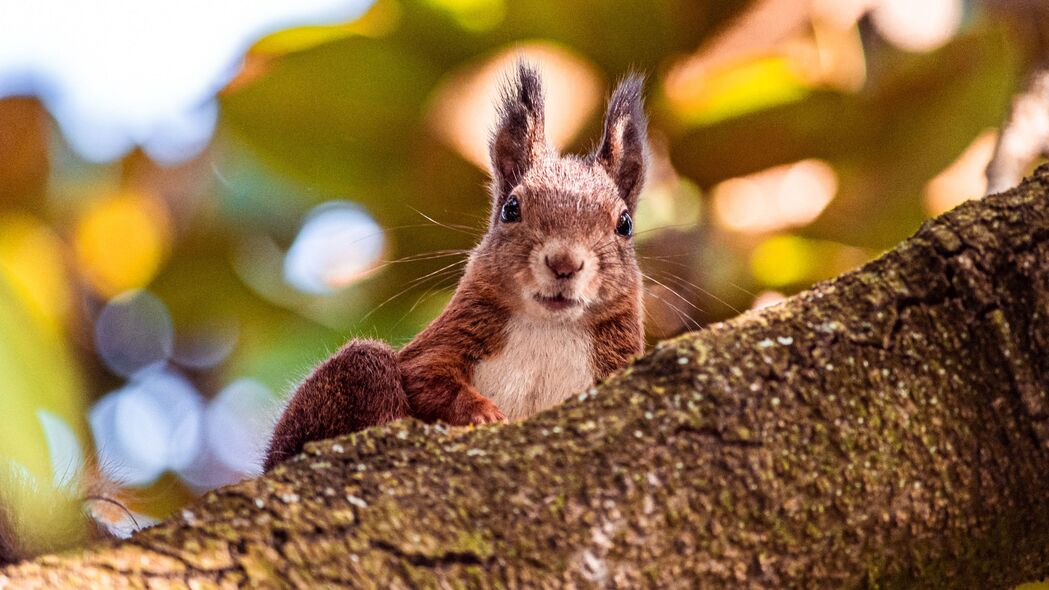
x: 511, y: 211
x: 625, y: 225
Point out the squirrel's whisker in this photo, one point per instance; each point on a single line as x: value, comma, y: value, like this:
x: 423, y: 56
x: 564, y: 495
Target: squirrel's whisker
x: 411, y: 285
x: 668, y: 275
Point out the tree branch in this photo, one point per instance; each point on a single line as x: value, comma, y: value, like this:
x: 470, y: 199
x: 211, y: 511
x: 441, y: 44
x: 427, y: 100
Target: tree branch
x: 888, y: 428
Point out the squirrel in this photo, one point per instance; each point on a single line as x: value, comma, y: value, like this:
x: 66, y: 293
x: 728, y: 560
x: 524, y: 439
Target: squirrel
x: 550, y: 301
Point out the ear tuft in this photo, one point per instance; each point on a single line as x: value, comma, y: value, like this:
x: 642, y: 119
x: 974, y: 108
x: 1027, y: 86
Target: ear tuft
x: 622, y: 151
x: 519, y: 136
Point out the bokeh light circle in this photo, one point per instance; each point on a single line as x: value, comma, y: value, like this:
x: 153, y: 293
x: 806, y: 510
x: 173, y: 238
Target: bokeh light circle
x: 337, y: 244
x: 239, y: 422
x: 133, y: 331
x: 151, y: 425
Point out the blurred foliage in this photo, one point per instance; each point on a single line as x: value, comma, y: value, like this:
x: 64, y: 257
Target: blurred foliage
x: 738, y: 91
x: 38, y: 374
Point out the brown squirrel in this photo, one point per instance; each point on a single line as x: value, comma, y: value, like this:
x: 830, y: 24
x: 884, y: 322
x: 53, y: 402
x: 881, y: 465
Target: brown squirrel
x: 550, y: 300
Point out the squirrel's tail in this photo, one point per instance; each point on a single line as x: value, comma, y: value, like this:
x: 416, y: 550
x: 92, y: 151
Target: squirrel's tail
x: 360, y: 386
x: 9, y: 551
x: 37, y: 519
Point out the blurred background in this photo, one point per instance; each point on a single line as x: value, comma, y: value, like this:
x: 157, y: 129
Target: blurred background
x: 201, y: 200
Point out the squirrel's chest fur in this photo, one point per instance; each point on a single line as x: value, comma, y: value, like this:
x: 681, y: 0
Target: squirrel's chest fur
x: 541, y: 364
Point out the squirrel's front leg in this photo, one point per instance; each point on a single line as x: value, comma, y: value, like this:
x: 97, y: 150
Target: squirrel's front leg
x: 443, y: 393
x: 471, y: 407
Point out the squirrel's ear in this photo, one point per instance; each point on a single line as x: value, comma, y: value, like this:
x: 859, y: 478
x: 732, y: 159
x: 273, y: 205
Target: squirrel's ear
x: 518, y: 138
x: 622, y: 151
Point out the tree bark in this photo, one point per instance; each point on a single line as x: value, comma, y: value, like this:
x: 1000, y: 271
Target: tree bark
x: 889, y: 428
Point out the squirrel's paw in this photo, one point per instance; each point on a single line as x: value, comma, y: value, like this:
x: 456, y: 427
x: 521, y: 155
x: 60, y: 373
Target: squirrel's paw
x: 480, y: 410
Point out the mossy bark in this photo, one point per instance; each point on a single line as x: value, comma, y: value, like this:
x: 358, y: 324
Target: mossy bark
x: 889, y: 428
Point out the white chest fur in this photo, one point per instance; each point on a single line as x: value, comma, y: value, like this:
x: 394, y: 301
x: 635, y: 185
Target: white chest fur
x: 542, y: 364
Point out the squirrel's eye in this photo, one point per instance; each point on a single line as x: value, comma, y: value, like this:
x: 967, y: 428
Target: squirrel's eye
x: 511, y: 211
x: 625, y: 226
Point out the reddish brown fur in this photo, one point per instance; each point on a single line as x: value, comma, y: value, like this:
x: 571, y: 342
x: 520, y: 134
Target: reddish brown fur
x: 358, y: 387
x: 438, y: 362
x: 563, y: 199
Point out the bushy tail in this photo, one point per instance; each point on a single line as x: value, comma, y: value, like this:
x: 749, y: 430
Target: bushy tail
x: 37, y: 519
x: 9, y: 552
x: 360, y: 386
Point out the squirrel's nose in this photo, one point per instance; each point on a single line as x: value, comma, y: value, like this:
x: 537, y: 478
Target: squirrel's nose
x: 563, y: 265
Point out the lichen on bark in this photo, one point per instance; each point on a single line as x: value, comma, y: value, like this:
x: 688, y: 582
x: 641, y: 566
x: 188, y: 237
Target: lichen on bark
x: 888, y: 428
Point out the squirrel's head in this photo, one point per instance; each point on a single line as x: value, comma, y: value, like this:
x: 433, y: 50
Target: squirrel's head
x: 560, y: 240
